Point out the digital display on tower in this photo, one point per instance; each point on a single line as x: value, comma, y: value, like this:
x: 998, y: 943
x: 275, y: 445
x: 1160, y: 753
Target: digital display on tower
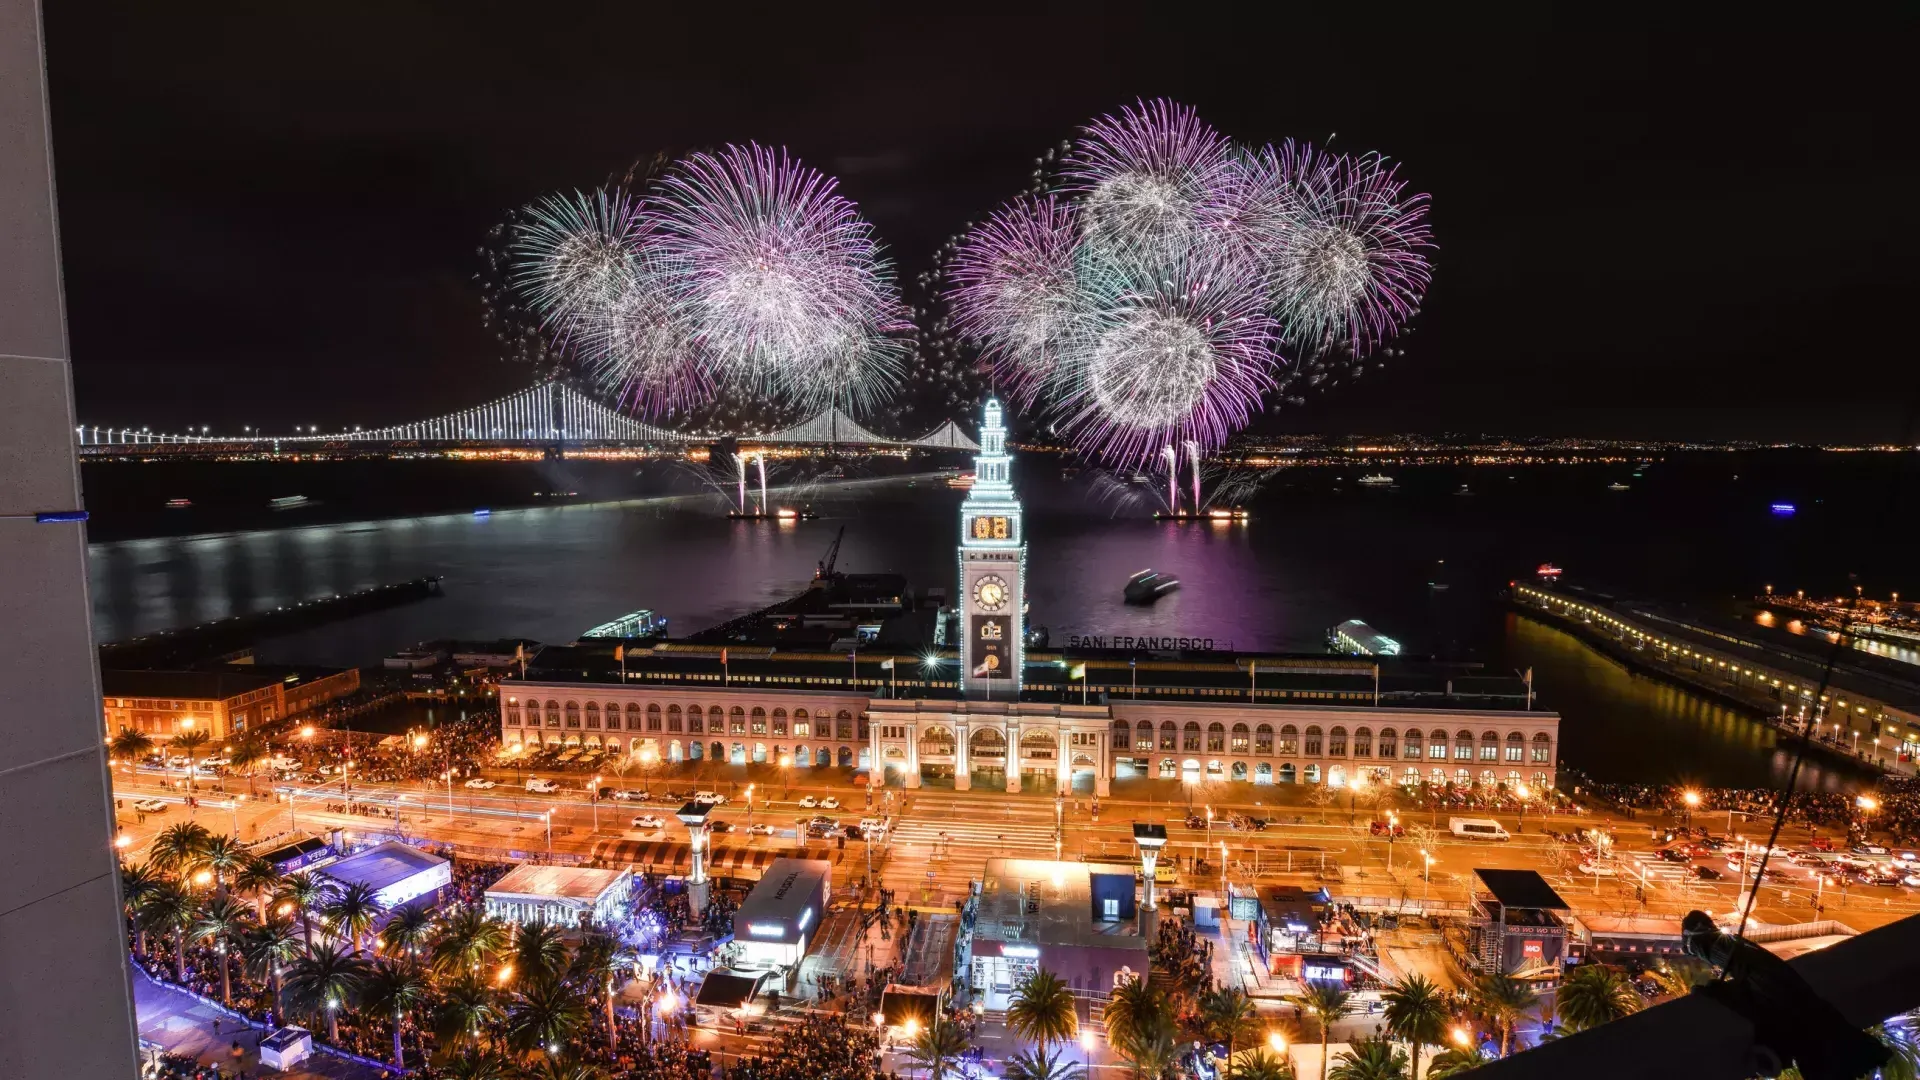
x: 992, y: 528
x: 992, y: 637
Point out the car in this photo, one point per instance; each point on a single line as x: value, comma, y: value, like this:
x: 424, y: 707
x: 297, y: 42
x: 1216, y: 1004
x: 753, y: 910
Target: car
x: 1881, y: 875
x: 1712, y: 843
x: 809, y: 802
x: 543, y: 787
x: 648, y: 821
x: 1819, y: 843
x: 1668, y: 854
x: 719, y: 826
x: 1806, y: 858
x: 630, y: 795
x: 1906, y: 856
x: 1911, y: 881
x: 760, y: 830
x: 1598, y: 869
x: 215, y: 762
x: 1851, y: 862
x: 830, y: 803
x: 150, y: 806
x: 709, y: 798
x: 1869, y: 849
x: 1706, y: 873
x: 481, y: 782
x: 852, y: 832
x: 873, y: 826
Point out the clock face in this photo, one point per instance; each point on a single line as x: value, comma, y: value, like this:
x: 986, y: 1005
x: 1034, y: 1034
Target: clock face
x: 990, y: 592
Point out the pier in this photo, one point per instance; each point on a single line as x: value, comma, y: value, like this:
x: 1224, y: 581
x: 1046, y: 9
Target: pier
x: 235, y: 635
x: 1864, y: 715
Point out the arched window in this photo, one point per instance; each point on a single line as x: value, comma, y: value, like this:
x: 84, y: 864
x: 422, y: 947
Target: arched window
x: 1289, y: 740
x: 553, y: 713
x: 1337, y: 742
x: 737, y: 721
x: 1363, y: 742
x: 1240, y: 740
x: 1263, y: 739
x: 843, y: 724
x: 1389, y: 743
x: 573, y: 714
x: 1489, y: 746
x: 1190, y: 736
x: 1313, y: 742
x: 1143, y: 736
x: 1542, y: 748
x: 759, y: 720
x: 802, y: 727
x: 1464, y: 777
x: 1216, y: 737
x: 1413, y: 744
x: 653, y: 716
x: 673, y: 718
x: 593, y: 715
x: 1239, y: 771
x: 1438, y: 748
x: 696, y: 720
x: 1463, y: 746
x: 779, y: 721
x: 1337, y: 775
x: 1287, y: 773
x: 1516, y: 747
x: 1167, y: 739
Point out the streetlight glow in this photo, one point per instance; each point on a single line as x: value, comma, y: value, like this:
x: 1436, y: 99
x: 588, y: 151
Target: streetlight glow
x: 1277, y: 1042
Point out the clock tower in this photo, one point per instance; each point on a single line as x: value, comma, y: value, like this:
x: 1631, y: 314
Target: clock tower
x: 993, y: 571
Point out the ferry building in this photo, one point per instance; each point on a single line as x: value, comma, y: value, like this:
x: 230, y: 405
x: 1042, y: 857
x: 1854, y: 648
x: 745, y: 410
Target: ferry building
x: 859, y: 673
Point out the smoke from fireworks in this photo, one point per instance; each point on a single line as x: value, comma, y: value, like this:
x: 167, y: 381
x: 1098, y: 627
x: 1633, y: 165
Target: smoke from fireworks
x: 1153, y: 307
x: 740, y: 274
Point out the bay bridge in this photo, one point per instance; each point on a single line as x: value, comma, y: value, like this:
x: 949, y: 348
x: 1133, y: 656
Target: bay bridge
x: 544, y: 415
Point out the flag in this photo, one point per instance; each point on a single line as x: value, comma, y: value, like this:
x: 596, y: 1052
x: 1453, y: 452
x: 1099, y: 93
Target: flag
x: 619, y: 654
x: 1079, y: 671
x: 887, y: 664
x: 519, y: 651
x: 723, y: 656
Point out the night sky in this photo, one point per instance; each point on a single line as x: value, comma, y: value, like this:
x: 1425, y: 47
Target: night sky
x: 272, y: 217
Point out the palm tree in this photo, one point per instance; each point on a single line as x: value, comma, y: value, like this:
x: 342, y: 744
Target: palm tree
x: 190, y: 743
x: 299, y: 895
x: 1226, y: 1014
x: 1594, y: 994
x: 171, y: 909
x: 1372, y: 1059
x: 222, y: 921
x: 1504, y: 1001
x: 564, y: 1068
x: 326, y: 979
x: 260, y: 879
x: 130, y: 745
x: 352, y: 910
x: 1903, y: 1047
x: 406, y: 931
x: 177, y: 849
x: 396, y: 988
x: 224, y: 857
x: 1677, y: 978
x: 1328, y: 1003
x: 937, y: 1047
x: 1260, y: 1065
x: 269, y: 947
x: 539, y: 952
x: 597, y: 965
x: 137, y: 882
x: 465, y: 939
x: 466, y: 1008
x: 1132, y: 1008
x: 1042, y: 1010
x: 1455, y: 1060
x: 1416, y: 1012
x: 1041, y: 1065
x: 481, y: 1067
x: 545, y: 1014
x: 247, y: 754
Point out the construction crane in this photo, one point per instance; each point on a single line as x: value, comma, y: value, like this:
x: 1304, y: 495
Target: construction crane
x: 824, y: 570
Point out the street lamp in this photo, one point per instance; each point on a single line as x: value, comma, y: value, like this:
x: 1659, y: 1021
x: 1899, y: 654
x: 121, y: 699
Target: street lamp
x: 1691, y: 799
x: 595, y: 800
x: 786, y: 775
x: 1426, y: 877
x: 1462, y: 1037
x: 548, y: 817
x: 1086, y: 1051
x: 749, y: 810
x: 1276, y: 1042
x: 1393, y: 825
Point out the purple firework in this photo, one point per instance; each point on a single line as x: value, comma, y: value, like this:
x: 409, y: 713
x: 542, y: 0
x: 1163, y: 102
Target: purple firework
x: 1015, y: 288
x: 1146, y: 179
x: 1182, y: 353
x: 1354, y: 266
x: 780, y: 279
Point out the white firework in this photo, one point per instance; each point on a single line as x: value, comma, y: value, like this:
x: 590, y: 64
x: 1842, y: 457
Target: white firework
x: 1146, y: 179
x: 639, y: 348
x: 576, y: 253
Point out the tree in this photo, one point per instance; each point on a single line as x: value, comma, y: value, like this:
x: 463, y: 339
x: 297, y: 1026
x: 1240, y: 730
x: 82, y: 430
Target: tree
x: 137, y: 882
x: 1260, y: 1065
x: 544, y: 1015
x: 300, y: 894
x: 396, y: 988
x: 1455, y: 1060
x: 597, y: 965
x: 171, y: 909
x: 1226, y: 1014
x: 539, y: 952
x: 937, y: 1048
x: 1042, y: 1010
x: 177, y: 849
x: 222, y: 856
x: 269, y: 947
x: 223, y: 921
x: 1371, y: 1059
x: 1595, y: 994
x: 1416, y: 1012
x: 1041, y: 1065
x: 326, y: 979
x: 190, y: 743
x: 467, y: 1007
x: 260, y: 879
x: 1327, y: 1003
x: 465, y: 939
x: 407, y: 932
x: 481, y: 1067
x: 565, y: 1068
x: 1140, y: 1028
x: 247, y: 754
x: 352, y: 911
x: 130, y: 745
x: 1504, y: 1001
x: 1677, y: 978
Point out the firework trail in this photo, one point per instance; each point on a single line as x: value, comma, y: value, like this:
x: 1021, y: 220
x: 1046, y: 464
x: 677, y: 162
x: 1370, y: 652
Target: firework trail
x: 780, y: 278
x: 1146, y: 179
x: 1016, y: 287
x: 575, y: 253
x: 639, y: 349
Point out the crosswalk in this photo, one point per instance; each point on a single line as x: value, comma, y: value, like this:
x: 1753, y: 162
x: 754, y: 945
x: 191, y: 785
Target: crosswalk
x: 921, y: 838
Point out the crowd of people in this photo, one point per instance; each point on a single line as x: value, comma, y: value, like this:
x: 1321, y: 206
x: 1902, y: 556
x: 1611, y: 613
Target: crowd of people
x: 1184, y: 955
x: 1891, y: 811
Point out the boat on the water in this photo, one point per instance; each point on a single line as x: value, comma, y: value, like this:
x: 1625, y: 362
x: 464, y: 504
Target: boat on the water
x: 1616, y: 486
x: 1149, y: 585
x: 287, y: 502
x: 1377, y: 480
x: 963, y: 481
x: 179, y: 504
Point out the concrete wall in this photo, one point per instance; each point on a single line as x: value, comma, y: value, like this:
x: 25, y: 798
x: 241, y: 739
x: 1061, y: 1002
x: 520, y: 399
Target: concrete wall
x: 66, y: 1005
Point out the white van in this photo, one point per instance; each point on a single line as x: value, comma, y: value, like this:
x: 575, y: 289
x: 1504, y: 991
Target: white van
x: 544, y: 787
x: 1475, y: 828
x: 709, y: 798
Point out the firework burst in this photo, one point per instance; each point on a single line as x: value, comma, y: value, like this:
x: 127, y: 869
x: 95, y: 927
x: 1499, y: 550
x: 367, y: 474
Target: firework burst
x: 575, y: 253
x: 1147, y: 179
x: 639, y: 349
x: 1016, y: 287
x: 1354, y: 267
x: 780, y: 278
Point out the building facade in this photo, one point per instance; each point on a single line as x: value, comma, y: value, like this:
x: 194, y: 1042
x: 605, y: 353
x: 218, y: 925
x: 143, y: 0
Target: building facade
x: 993, y: 571
x: 221, y: 703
